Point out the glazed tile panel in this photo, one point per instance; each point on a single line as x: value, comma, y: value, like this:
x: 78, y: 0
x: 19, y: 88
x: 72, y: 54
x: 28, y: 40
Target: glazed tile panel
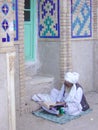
x: 8, y: 23
x: 48, y: 18
x: 81, y: 18
x: 15, y: 21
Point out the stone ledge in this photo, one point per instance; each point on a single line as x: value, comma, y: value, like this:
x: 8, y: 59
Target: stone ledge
x: 36, y: 80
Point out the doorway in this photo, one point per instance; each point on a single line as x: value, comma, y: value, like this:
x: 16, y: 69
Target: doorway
x: 30, y: 33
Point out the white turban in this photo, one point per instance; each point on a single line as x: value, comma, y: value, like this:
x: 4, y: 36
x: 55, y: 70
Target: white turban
x: 71, y: 77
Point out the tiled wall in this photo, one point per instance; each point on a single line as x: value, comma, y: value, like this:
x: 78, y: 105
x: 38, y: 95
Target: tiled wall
x: 53, y: 23
x: 78, y: 22
x: 15, y: 21
x: 6, y: 24
x: 48, y: 19
x: 81, y: 18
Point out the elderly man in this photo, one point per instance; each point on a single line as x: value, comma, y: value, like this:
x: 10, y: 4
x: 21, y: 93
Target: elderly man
x: 71, y: 96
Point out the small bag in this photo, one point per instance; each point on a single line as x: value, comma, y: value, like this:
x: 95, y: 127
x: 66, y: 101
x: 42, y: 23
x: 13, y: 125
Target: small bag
x: 84, y: 103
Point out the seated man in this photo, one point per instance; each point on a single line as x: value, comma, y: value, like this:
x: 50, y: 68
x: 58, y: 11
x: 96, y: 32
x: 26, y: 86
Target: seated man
x: 71, y: 96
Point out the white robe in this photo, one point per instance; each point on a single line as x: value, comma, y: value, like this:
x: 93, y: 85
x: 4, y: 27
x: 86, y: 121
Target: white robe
x: 72, y: 98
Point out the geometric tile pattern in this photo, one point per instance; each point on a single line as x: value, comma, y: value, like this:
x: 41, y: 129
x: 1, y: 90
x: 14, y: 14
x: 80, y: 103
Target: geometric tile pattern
x: 5, y: 25
x: 81, y: 18
x: 48, y: 19
x: 13, y: 4
x: 5, y: 9
x: 6, y: 39
x: 15, y: 21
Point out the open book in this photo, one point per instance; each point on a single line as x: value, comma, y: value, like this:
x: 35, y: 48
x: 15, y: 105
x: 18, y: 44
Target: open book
x: 53, y: 108
x: 50, y: 105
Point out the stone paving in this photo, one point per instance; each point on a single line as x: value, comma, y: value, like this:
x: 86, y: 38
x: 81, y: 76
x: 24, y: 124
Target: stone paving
x: 87, y: 122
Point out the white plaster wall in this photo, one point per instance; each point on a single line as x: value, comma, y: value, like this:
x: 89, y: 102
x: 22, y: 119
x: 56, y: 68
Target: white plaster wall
x: 3, y: 94
x: 49, y: 56
x: 82, y: 58
x: 96, y: 66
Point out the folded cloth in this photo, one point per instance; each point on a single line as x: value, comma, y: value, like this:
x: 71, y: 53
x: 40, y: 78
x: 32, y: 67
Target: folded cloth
x: 36, y: 98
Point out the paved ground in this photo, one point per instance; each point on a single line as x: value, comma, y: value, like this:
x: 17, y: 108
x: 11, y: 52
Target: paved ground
x: 86, y: 122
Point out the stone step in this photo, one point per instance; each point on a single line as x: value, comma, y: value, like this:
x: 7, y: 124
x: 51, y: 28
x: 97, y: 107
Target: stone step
x: 35, y: 85
x: 31, y: 68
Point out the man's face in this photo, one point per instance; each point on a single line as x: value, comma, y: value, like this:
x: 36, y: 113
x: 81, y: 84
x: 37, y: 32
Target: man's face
x: 68, y: 84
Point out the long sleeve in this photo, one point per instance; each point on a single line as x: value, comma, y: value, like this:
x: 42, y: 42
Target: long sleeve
x: 61, y: 93
x: 74, y: 106
x: 78, y: 96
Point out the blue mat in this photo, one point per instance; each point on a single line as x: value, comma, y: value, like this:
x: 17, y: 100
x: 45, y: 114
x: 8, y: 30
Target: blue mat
x: 61, y: 119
